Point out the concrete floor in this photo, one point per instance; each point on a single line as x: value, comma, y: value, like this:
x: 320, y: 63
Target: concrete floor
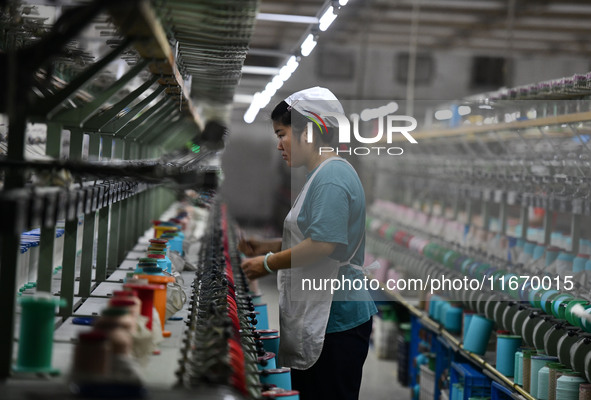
x: 379, y: 376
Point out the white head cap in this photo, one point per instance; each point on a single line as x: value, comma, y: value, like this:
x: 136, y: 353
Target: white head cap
x: 318, y: 100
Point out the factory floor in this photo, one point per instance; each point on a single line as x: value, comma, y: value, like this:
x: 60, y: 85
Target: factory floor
x: 379, y: 376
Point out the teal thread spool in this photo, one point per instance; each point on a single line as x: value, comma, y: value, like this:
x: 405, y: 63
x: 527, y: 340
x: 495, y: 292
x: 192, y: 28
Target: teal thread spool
x: 280, y: 377
x: 478, y: 335
x: 263, y: 317
x: 270, y: 344
x: 257, y: 298
x: 35, y: 345
x: 518, y: 371
x: 453, y: 319
x: 579, y: 262
x: 543, y: 381
x: 442, y: 311
x: 267, y: 361
x: 432, y: 304
x: 567, y: 386
x: 467, y: 318
x: 507, y: 346
x: 537, y: 363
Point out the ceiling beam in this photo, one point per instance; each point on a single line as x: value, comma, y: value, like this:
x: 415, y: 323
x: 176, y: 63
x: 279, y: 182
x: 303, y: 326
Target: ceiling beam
x: 430, y: 43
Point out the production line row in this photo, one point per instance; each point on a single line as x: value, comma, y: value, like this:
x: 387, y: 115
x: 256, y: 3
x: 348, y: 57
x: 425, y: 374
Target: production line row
x: 118, y: 339
x: 549, y: 324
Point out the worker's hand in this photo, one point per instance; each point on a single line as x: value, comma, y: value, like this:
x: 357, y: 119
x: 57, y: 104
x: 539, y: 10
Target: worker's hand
x: 251, y: 247
x: 253, y: 267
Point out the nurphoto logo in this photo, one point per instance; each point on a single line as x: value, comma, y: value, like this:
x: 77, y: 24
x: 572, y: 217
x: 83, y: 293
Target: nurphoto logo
x: 387, y: 123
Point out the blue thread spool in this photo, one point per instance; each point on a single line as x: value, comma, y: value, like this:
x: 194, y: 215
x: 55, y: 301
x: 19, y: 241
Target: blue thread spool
x: 455, y: 392
x: 478, y: 335
x: 280, y: 377
x: 175, y: 242
x: 518, y: 371
x: 579, y: 262
x: 558, y: 300
x: 35, y: 345
x: 545, y: 302
x: 507, y: 346
x: 432, y: 305
x: 453, y: 319
x: 421, y: 359
x: 552, y: 253
x: 267, y: 361
x: 270, y: 343
x: 467, y: 318
x: 416, y: 390
x: 442, y: 311
x: 537, y: 363
x: 263, y: 317
x: 539, y: 251
x: 543, y: 381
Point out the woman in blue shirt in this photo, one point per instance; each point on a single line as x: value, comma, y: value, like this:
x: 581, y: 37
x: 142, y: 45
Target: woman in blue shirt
x: 325, y: 323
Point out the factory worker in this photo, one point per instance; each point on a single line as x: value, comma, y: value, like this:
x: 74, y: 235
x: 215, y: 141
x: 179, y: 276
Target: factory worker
x: 324, y: 332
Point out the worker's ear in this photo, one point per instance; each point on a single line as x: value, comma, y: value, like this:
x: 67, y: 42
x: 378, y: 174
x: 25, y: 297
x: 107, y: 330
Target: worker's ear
x: 304, y: 138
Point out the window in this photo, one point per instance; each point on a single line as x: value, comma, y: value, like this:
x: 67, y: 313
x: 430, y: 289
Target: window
x: 488, y: 72
x: 424, y: 68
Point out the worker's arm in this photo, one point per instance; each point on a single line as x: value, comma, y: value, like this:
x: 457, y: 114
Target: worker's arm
x: 255, y: 247
x: 306, y: 252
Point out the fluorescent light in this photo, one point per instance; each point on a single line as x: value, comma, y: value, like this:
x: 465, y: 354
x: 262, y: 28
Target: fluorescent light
x: 343, y: 3
x: 254, y: 108
x: 250, y: 114
x: 256, y: 100
x: 441, y: 115
x: 295, y: 19
x: 308, y: 45
x: 277, y: 82
x: 243, y: 98
x: 270, y: 90
x: 265, y: 99
x: 327, y: 18
x: 292, y: 64
x: 256, y: 70
x: 288, y: 69
x: 464, y: 110
x: 284, y: 73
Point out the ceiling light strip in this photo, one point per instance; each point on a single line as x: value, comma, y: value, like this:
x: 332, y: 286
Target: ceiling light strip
x: 309, y: 40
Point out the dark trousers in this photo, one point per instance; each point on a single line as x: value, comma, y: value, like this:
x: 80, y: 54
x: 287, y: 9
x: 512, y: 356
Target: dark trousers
x: 337, y: 373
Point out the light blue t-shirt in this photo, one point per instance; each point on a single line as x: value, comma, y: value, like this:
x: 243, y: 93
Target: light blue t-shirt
x: 334, y: 211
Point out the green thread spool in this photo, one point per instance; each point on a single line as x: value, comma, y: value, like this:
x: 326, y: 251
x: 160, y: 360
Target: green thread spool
x: 537, y: 363
x: 543, y: 379
x: 518, y: 374
x: 35, y: 345
x: 567, y: 386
